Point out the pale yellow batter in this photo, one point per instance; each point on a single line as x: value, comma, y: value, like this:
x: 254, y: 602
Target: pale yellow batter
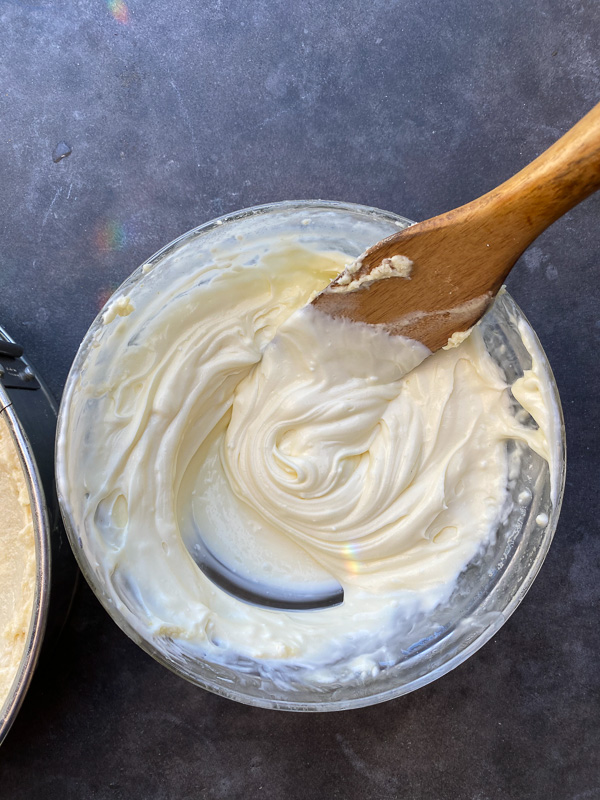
x: 17, y: 561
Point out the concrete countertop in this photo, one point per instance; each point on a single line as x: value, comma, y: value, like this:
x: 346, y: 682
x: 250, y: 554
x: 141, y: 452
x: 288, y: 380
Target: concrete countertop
x: 179, y: 112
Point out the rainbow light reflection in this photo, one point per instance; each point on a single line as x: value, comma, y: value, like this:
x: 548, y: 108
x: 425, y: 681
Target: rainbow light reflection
x: 351, y: 559
x: 111, y: 235
x: 119, y: 10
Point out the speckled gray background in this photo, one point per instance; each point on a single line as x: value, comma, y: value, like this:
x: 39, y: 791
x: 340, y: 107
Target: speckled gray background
x: 180, y: 111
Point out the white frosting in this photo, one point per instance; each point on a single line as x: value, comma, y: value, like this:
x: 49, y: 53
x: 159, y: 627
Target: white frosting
x: 393, y: 267
x: 120, y: 307
x: 532, y: 391
x: 457, y: 338
x: 302, y: 447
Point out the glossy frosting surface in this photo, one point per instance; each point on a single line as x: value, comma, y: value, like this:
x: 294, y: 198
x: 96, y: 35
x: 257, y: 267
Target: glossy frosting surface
x: 302, y: 449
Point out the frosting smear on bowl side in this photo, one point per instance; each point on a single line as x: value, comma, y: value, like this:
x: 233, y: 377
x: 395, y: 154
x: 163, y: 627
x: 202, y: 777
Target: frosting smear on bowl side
x: 303, y: 449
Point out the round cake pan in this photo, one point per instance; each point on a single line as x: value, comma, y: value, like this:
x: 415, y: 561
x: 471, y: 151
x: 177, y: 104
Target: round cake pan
x: 29, y: 410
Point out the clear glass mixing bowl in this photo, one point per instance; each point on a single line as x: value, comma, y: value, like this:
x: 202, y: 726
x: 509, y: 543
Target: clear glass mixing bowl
x: 487, y: 592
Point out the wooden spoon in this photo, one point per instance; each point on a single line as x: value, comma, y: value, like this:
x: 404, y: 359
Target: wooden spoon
x: 461, y: 258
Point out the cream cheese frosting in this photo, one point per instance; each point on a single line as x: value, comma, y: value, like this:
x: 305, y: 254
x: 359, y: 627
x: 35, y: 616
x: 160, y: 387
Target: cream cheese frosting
x: 393, y: 267
x: 302, y: 448
x: 17, y: 561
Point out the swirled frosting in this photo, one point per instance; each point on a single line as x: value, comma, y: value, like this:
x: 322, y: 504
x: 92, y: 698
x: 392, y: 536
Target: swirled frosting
x: 303, y: 448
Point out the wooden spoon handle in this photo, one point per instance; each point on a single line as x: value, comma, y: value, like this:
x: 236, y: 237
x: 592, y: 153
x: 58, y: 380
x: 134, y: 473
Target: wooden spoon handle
x: 461, y: 258
x: 562, y: 176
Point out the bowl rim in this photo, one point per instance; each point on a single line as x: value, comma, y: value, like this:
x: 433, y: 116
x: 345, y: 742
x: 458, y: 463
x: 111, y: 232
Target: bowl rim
x: 319, y: 704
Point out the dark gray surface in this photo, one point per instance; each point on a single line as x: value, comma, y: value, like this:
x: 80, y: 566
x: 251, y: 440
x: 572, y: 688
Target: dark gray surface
x: 177, y: 112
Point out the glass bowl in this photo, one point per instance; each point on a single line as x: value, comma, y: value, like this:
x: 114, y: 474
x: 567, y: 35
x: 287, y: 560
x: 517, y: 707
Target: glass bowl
x: 489, y: 589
